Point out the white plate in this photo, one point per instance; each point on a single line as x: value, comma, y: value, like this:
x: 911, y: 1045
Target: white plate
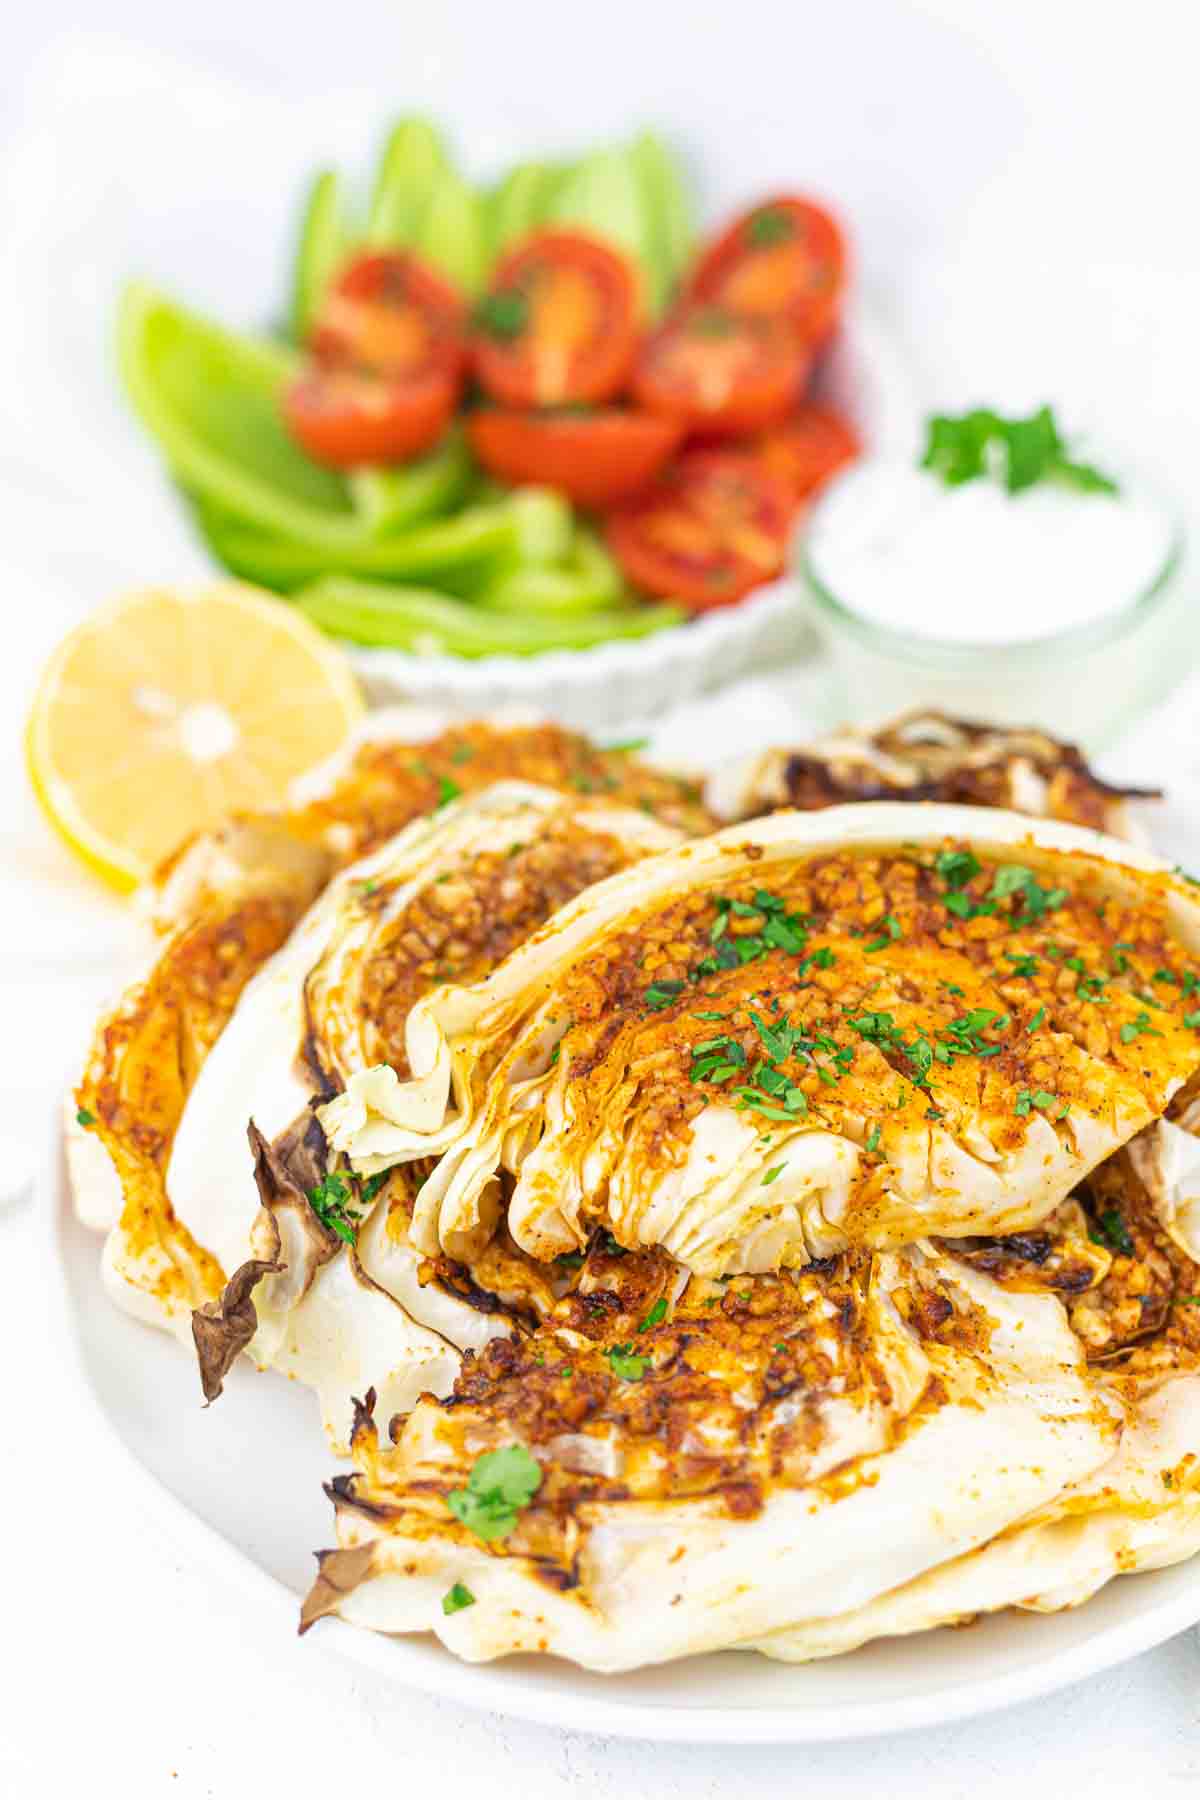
x: 238, y: 1487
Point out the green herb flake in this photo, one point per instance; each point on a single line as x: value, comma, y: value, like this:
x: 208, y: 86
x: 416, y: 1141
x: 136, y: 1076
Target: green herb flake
x: 1019, y: 453
x: 873, y: 1136
x: 457, y: 1599
x: 1138, y: 1027
x: 891, y: 931
x: 655, y: 1316
x: 624, y: 1364
x: 448, y: 790
x: 85, y: 1118
x: 957, y: 867
x: 499, y: 1487
x: 331, y: 1202
x: 773, y: 1174
x: 1038, y: 1019
x: 503, y: 315
x: 770, y: 225
x: 1114, y: 1232
x: 661, y: 994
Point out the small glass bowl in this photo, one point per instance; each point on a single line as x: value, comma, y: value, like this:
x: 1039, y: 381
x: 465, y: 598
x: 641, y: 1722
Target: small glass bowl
x: 1085, y: 685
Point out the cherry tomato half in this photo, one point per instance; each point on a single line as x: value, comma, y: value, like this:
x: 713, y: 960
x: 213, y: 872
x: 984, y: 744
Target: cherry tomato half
x: 559, y: 323
x: 388, y: 355
x: 596, y: 458
x: 721, y: 373
x: 713, y: 526
x: 390, y: 314
x: 345, y: 419
x: 786, y: 258
x: 805, y: 451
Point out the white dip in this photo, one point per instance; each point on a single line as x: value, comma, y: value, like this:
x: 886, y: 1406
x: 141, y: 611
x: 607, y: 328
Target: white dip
x: 976, y: 565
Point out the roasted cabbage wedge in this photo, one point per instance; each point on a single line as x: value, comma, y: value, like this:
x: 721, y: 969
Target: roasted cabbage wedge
x: 220, y: 910
x: 663, y: 1469
x: 814, y: 1031
x: 341, y: 1297
x: 926, y: 755
x: 302, y: 1288
x: 1133, y: 1299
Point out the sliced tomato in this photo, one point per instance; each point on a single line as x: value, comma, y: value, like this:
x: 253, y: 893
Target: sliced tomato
x: 344, y: 419
x: 720, y: 373
x: 713, y: 526
x: 559, y: 324
x: 388, y: 357
x: 786, y: 258
x: 808, y: 449
x: 596, y: 458
x: 388, y: 313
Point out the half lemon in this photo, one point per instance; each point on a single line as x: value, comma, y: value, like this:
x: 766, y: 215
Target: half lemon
x: 164, y: 712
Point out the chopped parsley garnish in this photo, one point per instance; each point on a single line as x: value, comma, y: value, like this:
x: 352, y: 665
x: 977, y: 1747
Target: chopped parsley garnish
x: 1015, y: 878
x: 1090, y: 988
x: 891, y: 931
x: 1042, y: 1099
x: 624, y: 1364
x: 769, y: 226
x: 503, y: 315
x: 500, y: 1485
x: 717, y: 1059
x: 84, y: 1117
x: 331, y: 1201
x: 980, y: 445
x: 873, y: 1137
x: 773, y: 1174
x: 880, y: 1028
x: 655, y: 1316
x: 627, y: 746
x: 1139, y: 1027
x: 1113, y: 1232
x: 957, y: 867
x: 1188, y: 1300
x: 456, y: 1599
x: 963, y: 1036
x: 778, y: 930
x: 448, y: 790
x: 661, y: 994
x: 1022, y: 965
x: 570, y: 1260
x: 823, y: 958
x: 1192, y: 1019
x: 1039, y: 1018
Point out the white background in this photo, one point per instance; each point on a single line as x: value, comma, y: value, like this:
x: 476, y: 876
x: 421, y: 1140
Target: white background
x: 1020, y: 178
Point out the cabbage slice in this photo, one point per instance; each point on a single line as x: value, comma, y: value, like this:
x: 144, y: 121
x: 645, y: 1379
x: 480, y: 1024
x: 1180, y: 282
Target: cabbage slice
x: 540, y: 1074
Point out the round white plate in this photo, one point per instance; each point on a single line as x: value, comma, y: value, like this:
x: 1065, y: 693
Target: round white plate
x: 239, y: 1488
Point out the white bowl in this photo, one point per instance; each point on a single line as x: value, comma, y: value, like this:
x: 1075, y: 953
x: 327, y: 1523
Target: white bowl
x: 863, y: 376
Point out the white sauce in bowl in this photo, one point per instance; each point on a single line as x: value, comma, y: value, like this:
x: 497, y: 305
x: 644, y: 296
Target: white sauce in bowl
x: 975, y: 565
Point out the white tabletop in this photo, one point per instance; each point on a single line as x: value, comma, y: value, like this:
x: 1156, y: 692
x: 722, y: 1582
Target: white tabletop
x: 126, y: 1666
